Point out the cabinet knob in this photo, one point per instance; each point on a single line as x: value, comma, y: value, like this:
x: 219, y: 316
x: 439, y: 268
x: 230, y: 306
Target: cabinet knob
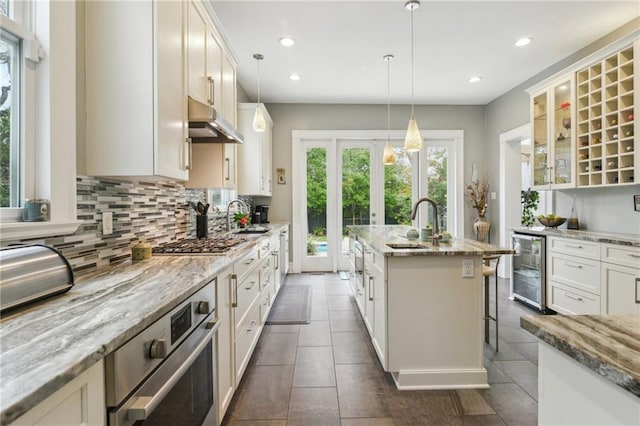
x: 158, y: 349
x: 202, y: 308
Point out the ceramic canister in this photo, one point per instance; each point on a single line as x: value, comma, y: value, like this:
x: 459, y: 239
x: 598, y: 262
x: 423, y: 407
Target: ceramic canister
x: 141, y: 251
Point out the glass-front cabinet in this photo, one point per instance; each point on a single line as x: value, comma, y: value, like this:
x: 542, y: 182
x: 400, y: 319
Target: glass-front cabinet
x: 553, y: 136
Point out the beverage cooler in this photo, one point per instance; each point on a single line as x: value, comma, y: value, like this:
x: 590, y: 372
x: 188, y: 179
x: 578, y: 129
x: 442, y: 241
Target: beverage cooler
x: 529, y: 274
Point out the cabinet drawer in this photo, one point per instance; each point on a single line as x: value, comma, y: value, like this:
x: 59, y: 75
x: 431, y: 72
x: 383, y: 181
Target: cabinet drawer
x: 246, y: 292
x: 266, y: 272
x: 577, y: 272
x: 265, y: 300
x: 568, y: 300
x: 588, y: 249
x: 244, y: 265
x: 621, y: 255
x: 246, y: 336
x: 264, y: 249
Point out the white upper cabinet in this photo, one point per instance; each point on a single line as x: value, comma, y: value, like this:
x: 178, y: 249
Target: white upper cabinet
x: 212, y: 81
x: 254, y: 156
x: 553, y: 135
x: 136, y: 89
x: 607, y: 95
x: 204, y: 60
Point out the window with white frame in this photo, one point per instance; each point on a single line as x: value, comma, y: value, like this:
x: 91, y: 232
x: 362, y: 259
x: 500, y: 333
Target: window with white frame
x: 39, y: 115
x: 10, y: 86
x: 15, y: 35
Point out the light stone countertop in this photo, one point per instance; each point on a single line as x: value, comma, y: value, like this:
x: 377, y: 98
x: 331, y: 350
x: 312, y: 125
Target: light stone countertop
x: 607, y: 344
x: 379, y: 236
x: 46, y: 345
x: 600, y: 237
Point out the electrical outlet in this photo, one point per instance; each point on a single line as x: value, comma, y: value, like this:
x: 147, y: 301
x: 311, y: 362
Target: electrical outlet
x: 467, y: 268
x: 107, y: 223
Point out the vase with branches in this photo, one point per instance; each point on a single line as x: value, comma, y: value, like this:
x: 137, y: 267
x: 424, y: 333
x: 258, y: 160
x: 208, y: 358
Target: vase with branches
x: 478, y: 192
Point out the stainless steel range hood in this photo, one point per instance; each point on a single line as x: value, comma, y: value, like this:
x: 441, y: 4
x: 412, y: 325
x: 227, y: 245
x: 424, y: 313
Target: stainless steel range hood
x: 206, y: 125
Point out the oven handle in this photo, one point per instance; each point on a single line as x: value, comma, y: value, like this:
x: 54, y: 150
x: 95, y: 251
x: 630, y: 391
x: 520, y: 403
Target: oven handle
x: 143, y: 406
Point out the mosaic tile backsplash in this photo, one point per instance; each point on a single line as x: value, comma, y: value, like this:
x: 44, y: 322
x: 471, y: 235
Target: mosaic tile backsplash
x: 154, y: 212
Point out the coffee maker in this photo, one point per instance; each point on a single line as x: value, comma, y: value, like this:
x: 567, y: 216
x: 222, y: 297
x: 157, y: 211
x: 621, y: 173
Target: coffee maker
x: 261, y: 214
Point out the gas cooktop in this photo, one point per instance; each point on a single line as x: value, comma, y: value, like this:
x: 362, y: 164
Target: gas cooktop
x: 215, y: 245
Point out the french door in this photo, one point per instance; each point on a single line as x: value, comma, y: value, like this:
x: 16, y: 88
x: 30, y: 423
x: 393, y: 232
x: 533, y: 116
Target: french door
x: 339, y: 180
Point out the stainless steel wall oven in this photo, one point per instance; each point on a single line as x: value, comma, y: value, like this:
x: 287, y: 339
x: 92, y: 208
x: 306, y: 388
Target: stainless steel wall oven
x: 166, y: 374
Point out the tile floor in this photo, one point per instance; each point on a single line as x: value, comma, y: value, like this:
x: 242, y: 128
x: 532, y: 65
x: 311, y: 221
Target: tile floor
x: 327, y: 373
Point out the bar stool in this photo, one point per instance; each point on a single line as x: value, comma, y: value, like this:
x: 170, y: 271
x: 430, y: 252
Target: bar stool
x: 487, y: 272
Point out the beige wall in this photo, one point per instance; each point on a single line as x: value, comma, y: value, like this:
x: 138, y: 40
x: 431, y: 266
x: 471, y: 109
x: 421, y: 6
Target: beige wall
x: 289, y: 117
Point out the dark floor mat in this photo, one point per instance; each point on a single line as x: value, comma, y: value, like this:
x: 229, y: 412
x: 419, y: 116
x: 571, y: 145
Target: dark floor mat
x: 292, y: 306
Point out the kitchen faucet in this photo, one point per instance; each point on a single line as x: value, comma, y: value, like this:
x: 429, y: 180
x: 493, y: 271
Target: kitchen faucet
x: 241, y: 204
x: 436, y: 235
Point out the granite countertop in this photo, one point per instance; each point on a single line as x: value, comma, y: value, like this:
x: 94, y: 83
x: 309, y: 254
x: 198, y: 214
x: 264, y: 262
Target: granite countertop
x: 46, y: 345
x: 607, y: 344
x: 600, y: 237
x: 378, y: 236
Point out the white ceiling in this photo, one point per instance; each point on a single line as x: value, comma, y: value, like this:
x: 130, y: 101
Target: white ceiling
x: 340, y: 45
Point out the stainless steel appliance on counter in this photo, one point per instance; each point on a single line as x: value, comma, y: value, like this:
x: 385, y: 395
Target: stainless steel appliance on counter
x: 32, y: 272
x: 529, y: 272
x: 166, y: 374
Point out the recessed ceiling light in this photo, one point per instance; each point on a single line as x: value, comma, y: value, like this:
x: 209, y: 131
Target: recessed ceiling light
x: 294, y: 77
x: 475, y: 79
x: 563, y: 87
x: 523, y: 41
x: 287, y: 41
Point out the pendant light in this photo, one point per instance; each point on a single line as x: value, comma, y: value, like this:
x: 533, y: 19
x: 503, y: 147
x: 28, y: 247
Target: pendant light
x: 389, y: 155
x: 259, y: 123
x: 413, y: 139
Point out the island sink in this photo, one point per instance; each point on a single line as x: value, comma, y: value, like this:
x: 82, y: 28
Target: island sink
x: 407, y: 245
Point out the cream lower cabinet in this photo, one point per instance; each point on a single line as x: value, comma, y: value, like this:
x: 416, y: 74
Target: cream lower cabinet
x: 586, y: 277
x: 136, y: 103
x: 226, y: 342
x: 246, y: 292
x: 620, y: 279
x: 79, y: 402
x: 375, y: 302
x: 573, y: 276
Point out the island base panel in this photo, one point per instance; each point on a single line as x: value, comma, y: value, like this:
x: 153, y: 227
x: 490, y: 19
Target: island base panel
x: 571, y: 394
x: 441, y: 379
x: 434, y: 320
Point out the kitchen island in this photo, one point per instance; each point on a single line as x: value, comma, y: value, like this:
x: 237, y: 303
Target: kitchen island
x: 588, y: 368
x: 422, y: 306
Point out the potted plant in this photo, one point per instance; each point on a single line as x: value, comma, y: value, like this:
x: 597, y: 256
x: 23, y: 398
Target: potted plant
x: 242, y: 219
x: 529, y: 201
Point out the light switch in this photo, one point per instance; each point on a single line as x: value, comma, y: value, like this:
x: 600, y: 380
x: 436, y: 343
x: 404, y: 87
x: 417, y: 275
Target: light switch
x: 493, y: 195
x: 107, y: 223
x: 467, y: 268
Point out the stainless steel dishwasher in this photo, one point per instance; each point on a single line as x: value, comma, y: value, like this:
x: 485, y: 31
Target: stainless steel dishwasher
x: 529, y: 270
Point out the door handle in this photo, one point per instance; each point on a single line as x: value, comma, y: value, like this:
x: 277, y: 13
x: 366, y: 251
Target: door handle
x: 637, y: 285
x: 212, y: 89
x: 234, y: 283
x: 571, y: 296
x: 228, y: 177
x: 370, y: 292
x: 573, y: 265
x: 143, y: 406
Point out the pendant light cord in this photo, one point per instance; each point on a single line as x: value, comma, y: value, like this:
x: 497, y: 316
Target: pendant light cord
x: 258, y: 81
x: 412, y: 83
x: 388, y: 98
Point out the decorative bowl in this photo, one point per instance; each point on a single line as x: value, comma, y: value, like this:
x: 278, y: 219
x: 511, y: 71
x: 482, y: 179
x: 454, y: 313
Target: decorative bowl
x: 552, y: 223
